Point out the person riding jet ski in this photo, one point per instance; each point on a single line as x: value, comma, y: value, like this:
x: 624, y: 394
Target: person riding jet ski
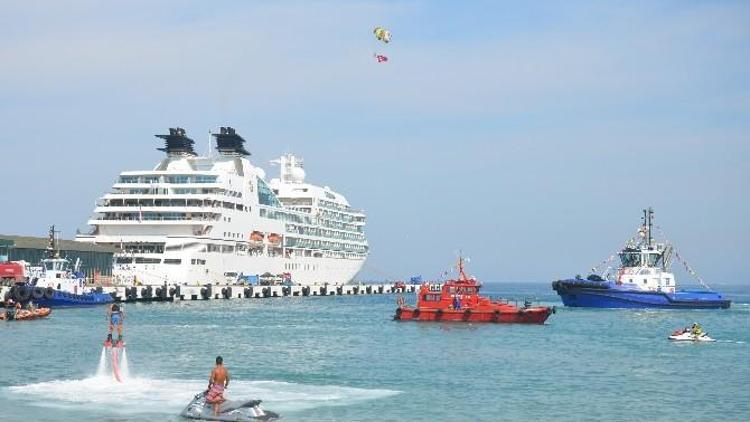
x: 211, y: 404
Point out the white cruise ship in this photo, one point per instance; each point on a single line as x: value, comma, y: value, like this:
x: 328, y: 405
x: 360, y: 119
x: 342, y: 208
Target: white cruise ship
x: 214, y: 219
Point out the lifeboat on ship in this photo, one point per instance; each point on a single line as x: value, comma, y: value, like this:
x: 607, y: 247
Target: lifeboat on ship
x: 274, y: 238
x: 459, y: 301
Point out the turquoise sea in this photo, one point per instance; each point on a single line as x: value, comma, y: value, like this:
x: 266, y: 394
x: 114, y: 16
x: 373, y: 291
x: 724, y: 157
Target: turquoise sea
x: 344, y: 359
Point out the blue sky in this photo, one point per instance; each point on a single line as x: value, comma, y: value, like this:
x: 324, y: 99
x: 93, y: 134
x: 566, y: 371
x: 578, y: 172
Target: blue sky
x: 530, y: 136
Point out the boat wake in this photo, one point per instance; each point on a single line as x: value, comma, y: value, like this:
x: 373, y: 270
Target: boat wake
x: 169, y: 396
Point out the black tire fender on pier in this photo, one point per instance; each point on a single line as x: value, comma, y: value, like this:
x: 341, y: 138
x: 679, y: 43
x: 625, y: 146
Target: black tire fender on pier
x: 23, y: 294
x: 266, y: 291
x: 37, y: 293
x: 306, y: 291
x: 248, y: 292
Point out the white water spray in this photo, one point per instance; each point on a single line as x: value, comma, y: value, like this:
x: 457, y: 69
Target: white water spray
x: 124, y: 369
x: 102, y: 368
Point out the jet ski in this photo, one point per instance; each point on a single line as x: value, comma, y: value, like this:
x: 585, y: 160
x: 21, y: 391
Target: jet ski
x: 230, y: 410
x: 688, y: 336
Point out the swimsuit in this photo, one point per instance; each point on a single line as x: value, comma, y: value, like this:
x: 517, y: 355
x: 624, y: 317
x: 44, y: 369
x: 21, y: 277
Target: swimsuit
x: 215, y: 392
x: 116, y: 318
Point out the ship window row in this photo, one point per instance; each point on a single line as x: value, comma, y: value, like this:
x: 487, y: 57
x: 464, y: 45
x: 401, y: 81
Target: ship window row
x: 298, y: 266
x: 314, y: 231
x: 332, y: 205
x: 157, y: 216
x: 285, y: 216
x: 136, y: 260
x: 291, y: 202
x: 322, y: 244
x: 340, y: 226
x: 142, y: 247
x: 177, y: 179
x: 198, y: 262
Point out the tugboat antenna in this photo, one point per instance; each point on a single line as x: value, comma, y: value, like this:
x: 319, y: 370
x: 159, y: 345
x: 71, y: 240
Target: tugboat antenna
x: 647, y: 222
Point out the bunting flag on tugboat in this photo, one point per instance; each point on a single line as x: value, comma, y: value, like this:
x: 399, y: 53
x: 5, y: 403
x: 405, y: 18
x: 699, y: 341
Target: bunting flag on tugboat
x: 381, y: 58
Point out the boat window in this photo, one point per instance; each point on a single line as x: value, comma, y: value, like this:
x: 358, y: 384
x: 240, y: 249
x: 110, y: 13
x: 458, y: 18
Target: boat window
x: 124, y: 260
x: 140, y: 260
x: 654, y: 259
x: 172, y: 261
x: 266, y: 195
x: 630, y: 259
x: 431, y: 298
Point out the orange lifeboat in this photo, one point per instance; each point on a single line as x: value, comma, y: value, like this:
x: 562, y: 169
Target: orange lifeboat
x: 274, y: 239
x: 459, y: 301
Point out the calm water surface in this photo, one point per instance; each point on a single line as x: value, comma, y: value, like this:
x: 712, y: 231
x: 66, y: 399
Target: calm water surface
x: 344, y: 359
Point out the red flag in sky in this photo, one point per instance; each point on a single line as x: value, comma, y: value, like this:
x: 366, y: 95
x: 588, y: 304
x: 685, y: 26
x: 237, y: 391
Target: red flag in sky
x: 381, y: 58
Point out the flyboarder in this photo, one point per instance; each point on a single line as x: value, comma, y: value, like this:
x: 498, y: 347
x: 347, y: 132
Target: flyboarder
x: 115, y: 316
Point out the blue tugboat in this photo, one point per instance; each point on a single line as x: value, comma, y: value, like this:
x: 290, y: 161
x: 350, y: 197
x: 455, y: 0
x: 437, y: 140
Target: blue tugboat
x: 642, y: 281
x: 56, y: 284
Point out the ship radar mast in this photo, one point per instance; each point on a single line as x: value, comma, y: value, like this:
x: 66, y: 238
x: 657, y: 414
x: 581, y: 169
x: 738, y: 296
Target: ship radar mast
x: 291, y: 168
x: 177, y: 143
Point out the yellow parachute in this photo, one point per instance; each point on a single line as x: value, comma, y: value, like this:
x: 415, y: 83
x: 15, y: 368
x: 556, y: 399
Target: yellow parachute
x: 382, y: 34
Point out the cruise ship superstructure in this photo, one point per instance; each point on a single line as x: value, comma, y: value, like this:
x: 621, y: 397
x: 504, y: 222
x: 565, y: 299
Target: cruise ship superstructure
x: 212, y: 219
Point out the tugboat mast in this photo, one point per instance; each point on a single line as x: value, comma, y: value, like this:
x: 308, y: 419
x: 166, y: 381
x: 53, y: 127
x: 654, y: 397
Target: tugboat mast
x: 648, y: 216
x: 52, y: 251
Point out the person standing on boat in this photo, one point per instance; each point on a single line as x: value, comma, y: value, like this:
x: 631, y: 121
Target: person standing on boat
x: 218, y: 381
x: 115, y: 315
x: 456, y: 302
x: 696, y: 330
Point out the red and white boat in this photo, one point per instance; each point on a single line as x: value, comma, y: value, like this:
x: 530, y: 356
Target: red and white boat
x: 459, y: 300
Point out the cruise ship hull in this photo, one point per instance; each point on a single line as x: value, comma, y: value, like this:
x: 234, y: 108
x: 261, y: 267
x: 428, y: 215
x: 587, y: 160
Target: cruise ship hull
x: 600, y: 295
x: 301, y: 270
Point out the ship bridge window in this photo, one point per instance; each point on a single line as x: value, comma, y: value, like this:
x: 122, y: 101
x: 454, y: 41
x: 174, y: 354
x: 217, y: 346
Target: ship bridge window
x: 631, y: 259
x: 124, y: 260
x: 654, y: 259
x: 178, y: 179
x: 140, y: 260
x: 172, y: 261
x: 266, y: 195
x: 128, y: 179
x: 431, y: 298
x: 202, y: 178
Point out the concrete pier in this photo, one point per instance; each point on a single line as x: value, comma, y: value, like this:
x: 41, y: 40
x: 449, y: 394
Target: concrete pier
x: 182, y: 292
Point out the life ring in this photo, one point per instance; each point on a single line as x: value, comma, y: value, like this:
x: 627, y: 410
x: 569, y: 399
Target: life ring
x: 49, y: 293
